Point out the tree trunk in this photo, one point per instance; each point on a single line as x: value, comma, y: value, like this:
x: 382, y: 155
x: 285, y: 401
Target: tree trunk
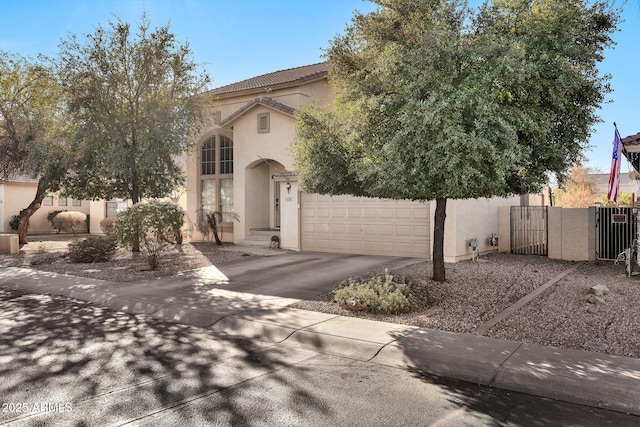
x: 438, y: 240
x: 25, y: 214
x: 214, y: 227
x: 135, y: 246
x: 135, y: 188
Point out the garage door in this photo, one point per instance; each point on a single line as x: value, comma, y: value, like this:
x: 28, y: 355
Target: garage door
x: 361, y: 225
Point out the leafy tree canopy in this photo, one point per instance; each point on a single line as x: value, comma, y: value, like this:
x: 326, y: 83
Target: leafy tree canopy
x: 437, y: 101
x: 133, y: 103
x: 33, y: 129
x: 577, y: 191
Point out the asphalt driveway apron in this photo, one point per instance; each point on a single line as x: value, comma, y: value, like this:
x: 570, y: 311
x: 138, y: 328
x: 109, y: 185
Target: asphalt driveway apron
x: 302, y: 275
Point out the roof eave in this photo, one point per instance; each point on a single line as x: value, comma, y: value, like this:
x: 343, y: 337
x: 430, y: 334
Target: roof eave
x: 253, y: 104
x: 267, y: 88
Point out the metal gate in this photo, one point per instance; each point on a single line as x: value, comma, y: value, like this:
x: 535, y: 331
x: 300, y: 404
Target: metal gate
x: 616, y: 229
x: 529, y: 231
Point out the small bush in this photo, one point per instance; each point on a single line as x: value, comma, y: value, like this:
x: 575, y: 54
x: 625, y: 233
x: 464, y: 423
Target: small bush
x: 70, y: 221
x: 50, y: 216
x: 380, y: 295
x: 92, y: 249
x: 42, y: 248
x: 108, y: 226
x: 14, y: 222
x: 157, y: 224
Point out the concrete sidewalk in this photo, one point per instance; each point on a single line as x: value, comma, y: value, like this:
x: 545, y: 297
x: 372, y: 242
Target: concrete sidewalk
x: 603, y: 381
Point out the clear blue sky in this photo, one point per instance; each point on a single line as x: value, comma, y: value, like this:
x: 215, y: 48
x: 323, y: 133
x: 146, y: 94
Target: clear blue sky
x: 238, y: 39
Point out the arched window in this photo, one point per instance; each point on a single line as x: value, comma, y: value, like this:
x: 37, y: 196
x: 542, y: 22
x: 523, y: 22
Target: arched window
x: 216, y: 174
x: 208, y: 157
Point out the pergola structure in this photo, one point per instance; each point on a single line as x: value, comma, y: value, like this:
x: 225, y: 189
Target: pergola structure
x: 631, y: 150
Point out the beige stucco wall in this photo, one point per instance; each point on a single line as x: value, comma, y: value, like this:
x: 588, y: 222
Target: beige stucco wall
x: 16, y: 196
x: 97, y: 212
x: 318, y: 91
x: 252, y: 178
x: 475, y: 218
x: 571, y: 234
x: 257, y: 157
x: 191, y: 194
x: 504, y: 229
x: 4, y: 226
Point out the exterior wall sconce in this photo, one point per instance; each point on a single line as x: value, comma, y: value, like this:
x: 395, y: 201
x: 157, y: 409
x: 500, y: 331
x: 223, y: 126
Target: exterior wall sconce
x: 288, y: 187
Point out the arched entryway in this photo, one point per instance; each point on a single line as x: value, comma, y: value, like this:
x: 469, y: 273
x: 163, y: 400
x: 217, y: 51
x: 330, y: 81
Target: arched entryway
x: 262, y: 198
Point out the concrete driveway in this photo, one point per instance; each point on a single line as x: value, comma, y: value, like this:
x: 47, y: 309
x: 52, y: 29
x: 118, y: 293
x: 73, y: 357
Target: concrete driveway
x: 302, y: 275
x: 204, y: 296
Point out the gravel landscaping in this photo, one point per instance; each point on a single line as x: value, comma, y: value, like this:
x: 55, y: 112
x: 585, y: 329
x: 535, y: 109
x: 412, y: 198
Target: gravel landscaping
x: 475, y: 292
x: 48, y: 254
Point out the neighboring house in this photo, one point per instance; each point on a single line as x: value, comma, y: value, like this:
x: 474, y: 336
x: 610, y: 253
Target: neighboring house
x: 243, y: 165
x: 601, y: 182
x: 17, y: 192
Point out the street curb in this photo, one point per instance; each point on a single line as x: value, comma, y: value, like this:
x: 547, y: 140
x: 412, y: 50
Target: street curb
x: 576, y: 376
x: 464, y: 357
x: 586, y: 378
x: 582, y: 377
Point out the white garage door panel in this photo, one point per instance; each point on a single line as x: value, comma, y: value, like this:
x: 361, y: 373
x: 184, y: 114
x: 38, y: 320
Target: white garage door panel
x: 347, y: 224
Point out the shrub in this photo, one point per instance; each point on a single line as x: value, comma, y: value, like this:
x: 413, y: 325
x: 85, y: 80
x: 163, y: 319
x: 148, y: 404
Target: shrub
x: 50, y: 216
x: 156, y: 224
x: 14, y: 222
x: 108, y: 225
x: 42, y: 248
x: 92, y: 249
x: 70, y: 221
x: 207, y: 223
x: 379, y: 294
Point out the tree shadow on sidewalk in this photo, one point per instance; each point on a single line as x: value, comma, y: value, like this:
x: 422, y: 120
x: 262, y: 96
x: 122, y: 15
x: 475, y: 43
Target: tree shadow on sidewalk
x: 427, y: 355
x: 88, y: 365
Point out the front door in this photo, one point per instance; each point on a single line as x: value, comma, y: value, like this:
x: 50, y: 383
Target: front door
x: 276, y: 194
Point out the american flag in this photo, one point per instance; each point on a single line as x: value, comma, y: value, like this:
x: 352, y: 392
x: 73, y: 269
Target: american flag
x: 614, y: 176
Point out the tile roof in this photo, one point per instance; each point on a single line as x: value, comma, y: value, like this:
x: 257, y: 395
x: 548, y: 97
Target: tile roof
x: 283, y: 77
x: 631, y: 140
x: 631, y: 144
x: 261, y: 100
x: 19, y: 178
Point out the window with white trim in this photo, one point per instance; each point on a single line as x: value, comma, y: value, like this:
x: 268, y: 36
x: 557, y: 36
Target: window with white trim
x: 216, y: 174
x: 114, y: 206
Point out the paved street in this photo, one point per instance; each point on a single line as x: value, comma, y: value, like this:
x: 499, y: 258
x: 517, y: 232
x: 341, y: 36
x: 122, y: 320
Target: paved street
x: 66, y: 362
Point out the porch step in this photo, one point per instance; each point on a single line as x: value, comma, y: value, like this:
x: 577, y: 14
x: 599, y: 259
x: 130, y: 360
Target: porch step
x: 260, y: 237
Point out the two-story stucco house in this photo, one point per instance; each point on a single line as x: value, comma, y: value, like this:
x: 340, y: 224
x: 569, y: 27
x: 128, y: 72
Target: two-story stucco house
x: 243, y: 164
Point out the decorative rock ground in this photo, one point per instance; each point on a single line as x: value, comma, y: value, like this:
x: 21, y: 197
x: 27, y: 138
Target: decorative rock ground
x: 593, y: 299
x: 599, y: 290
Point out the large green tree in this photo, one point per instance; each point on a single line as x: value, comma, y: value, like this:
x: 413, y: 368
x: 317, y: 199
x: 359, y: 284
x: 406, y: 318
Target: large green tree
x: 437, y: 101
x: 32, y: 128
x: 132, y: 99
